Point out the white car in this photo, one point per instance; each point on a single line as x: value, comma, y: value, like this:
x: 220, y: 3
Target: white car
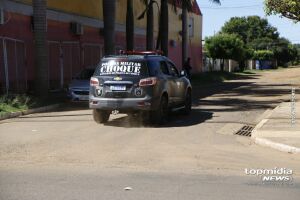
x: 78, y: 89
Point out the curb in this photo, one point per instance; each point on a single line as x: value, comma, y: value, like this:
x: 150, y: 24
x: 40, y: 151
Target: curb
x: 264, y: 118
x: 30, y: 111
x: 277, y: 146
x: 268, y: 143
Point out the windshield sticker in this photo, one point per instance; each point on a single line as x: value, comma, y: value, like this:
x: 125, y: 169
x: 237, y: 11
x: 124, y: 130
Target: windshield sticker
x: 115, y: 67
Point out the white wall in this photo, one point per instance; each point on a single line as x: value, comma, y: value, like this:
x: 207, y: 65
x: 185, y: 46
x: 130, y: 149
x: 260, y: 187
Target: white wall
x: 229, y: 65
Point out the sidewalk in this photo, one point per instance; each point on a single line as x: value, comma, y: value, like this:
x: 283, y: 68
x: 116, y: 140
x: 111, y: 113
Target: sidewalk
x: 276, y: 130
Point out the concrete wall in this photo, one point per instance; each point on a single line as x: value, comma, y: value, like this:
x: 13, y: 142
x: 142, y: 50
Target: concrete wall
x: 229, y: 65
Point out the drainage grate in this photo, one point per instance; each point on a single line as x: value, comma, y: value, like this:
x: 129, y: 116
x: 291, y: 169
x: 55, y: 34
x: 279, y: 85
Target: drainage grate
x: 245, y: 131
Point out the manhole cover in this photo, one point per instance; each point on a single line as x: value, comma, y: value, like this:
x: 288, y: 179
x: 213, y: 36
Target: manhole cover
x: 245, y: 131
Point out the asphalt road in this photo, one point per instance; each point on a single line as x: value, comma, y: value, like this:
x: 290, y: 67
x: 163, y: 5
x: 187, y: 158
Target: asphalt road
x: 98, y: 184
x: 65, y: 155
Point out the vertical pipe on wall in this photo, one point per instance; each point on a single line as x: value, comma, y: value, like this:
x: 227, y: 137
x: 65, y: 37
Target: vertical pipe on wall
x: 5, y: 66
x: 184, y: 33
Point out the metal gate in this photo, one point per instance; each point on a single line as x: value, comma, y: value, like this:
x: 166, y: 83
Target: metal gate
x: 13, y: 69
x: 55, y: 66
x: 2, y: 69
x: 71, y: 61
x: 66, y: 60
x: 64, y: 63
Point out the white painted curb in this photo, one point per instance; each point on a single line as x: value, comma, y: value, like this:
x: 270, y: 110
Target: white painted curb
x: 30, y: 111
x: 268, y: 143
x: 278, y: 146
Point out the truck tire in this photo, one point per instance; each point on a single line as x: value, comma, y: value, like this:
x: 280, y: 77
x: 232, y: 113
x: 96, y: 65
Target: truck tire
x: 160, y: 115
x: 100, y: 116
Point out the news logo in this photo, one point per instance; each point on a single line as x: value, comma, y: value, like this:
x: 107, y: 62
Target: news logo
x: 272, y: 176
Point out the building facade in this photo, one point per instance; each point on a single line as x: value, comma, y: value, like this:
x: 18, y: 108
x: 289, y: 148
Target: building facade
x: 75, y: 39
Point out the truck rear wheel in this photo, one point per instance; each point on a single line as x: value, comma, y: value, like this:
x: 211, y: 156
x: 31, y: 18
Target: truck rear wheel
x: 100, y: 116
x: 160, y: 115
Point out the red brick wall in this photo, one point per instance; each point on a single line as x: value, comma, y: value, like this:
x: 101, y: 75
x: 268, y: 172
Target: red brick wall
x: 76, y: 52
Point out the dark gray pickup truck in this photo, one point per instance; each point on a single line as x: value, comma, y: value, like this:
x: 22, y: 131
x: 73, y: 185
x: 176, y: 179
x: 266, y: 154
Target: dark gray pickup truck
x: 138, y: 83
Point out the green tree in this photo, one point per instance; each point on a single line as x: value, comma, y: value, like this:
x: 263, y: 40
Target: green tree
x: 129, y: 26
x: 40, y: 47
x: 258, y: 34
x: 225, y: 46
x: 261, y: 43
x: 250, y: 28
x: 294, y: 53
x: 284, y: 51
x: 297, y: 60
x: 286, y: 8
x: 109, y: 16
x: 263, y: 55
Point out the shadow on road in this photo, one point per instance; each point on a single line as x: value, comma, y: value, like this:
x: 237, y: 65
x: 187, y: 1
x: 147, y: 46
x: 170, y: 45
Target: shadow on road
x: 175, y: 120
x: 235, y: 105
x: 241, y: 94
x: 200, y: 92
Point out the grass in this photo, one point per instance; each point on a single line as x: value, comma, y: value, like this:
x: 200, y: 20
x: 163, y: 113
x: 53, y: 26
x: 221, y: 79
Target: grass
x: 14, y: 103
x: 21, y: 102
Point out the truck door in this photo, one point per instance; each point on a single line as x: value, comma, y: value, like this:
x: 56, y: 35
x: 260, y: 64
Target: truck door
x: 178, y: 84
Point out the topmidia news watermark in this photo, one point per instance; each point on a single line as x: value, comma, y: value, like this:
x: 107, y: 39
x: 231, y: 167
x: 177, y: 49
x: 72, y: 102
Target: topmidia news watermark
x: 272, y: 176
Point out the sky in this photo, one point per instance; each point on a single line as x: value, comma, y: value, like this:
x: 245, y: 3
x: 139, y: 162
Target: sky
x: 214, y: 17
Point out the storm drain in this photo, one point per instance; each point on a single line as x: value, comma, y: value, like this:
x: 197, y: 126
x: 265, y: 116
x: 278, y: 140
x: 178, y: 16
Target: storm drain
x: 245, y: 131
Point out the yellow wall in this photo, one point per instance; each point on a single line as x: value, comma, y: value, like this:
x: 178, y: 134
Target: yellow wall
x: 93, y: 9
x: 175, y: 26
x: 138, y: 7
x: 88, y: 8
